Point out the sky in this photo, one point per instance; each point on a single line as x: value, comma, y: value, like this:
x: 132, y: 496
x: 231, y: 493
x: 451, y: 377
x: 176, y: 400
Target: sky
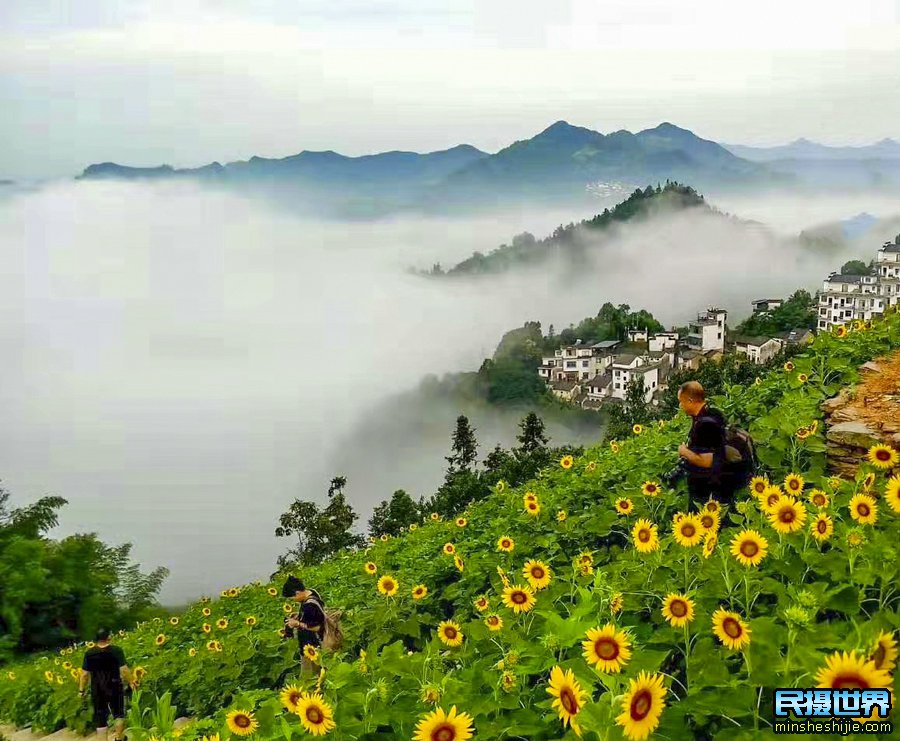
x: 186, y: 82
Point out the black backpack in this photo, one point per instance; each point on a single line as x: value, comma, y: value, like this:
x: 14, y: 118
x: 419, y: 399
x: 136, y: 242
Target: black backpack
x: 740, y: 462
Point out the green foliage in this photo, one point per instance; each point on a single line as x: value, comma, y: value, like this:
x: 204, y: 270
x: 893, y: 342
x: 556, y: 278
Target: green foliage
x: 803, y: 602
x: 798, y: 311
x: 391, y: 518
x: 855, y: 267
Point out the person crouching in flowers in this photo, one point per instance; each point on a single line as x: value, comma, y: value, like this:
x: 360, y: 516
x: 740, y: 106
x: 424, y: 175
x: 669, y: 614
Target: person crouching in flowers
x: 309, y: 622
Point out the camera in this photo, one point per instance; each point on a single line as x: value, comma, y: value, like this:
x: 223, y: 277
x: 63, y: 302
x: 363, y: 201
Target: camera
x: 676, y: 474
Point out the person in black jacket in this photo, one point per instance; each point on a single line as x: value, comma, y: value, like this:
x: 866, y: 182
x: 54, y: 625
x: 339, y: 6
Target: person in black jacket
x: 105, y: 666
x: 704, y: 452
x: 309, y: 622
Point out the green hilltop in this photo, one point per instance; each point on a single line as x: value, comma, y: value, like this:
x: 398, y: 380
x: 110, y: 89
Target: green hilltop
x: 825, y: 582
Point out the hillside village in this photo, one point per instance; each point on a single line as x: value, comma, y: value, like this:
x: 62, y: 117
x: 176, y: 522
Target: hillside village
x: 591, y: 376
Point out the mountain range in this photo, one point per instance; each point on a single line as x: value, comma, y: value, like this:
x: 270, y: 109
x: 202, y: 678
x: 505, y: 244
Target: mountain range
x: 562, y: 162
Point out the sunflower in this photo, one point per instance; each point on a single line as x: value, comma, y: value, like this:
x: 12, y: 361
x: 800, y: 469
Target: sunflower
x: 892, y: 493
x: 864, y: 509
x: 206, y: 628
x: 449, y: 549
x: 561, y: 515
x: 803, y: 433
x: 533, y: 508
x: 678, y: 609
x: 310, y: 652
x: 650, y: 488
x: 709, y: 521
x: 206, y: 612
x: 624, y: 506
x: 789, y: 366
x: 616, y: 603
x: 222, y: 623
x: 315, y: 714
x: 461, y: 522
x: 430, y: 695
x: 607, y: 649
x: 508, y: 681
x: 569, y: 696
x: 822, y: 527
x: 160, y: 639
x: 818, y: 498
x: 213, y: 646
x: 459, y: 563
x: 855, y: 539
x: 713, y: 506
x: 290, y: 697
x: 250, y: 620
x: 645, y: 536
x: 787, y: 515
x: 730, y: 629
x: 173, y: 621
x: 192, y: 652
x: 420, y: 591
x: 840, y: 331
x: 518, y: 598
x: 883, y: 456
x: 48, y: 675
x: 614, y: 446
x: 758, y: 485
x: 688, y: 531
x: 493, y: 622
x: 450, y: 634
x: 591, y: 467
x: 272, y: 592
x: 749, y: 547
x: 802, y: 377
x: 710, y: 540
x: 413, y: 527
x: 566, y: 461
x: 637, y: 429
x: 500, y: 487
x: 441, y: 726
x: 506, y: 544
x: 371, y: 568
x: 538, y: 574
x: 793, y: 483
x: 868, y: 481
x: 585, y: 558
x: 387, y: 585
x: 287, y: 608
x: 435, y: 516
x: 529, y: 496
x: 642, y: 706
x: 241, y: 722
x: 769, y: 498
x: 385, y: 537
x: 848, y: 670
x: 884, y: 655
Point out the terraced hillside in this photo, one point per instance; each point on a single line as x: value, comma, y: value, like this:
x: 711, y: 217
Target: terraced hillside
x: 590, y: 601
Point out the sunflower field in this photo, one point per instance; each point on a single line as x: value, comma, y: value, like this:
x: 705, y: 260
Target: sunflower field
x: 591, y: 602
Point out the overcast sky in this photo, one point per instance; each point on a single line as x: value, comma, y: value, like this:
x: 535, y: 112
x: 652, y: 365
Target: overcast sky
x: 191, y: 81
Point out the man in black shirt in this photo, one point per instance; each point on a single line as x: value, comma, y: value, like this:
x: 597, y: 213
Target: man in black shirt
x: 309, y: 622
x: 704, y: 453
x: 106, y: 668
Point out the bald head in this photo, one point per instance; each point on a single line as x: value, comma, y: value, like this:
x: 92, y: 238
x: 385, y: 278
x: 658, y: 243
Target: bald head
x: 691, y: 397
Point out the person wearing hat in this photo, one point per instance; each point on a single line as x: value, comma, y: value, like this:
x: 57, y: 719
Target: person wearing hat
x: 309, y: 621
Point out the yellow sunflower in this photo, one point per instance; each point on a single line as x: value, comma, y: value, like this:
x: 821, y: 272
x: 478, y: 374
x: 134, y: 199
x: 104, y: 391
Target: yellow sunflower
x: 710, y: 541
x: 709, y: 520
x: 388, y: 586
x: 441, y: 726
x: 864, y: 509
x: 650, y: 488
x: 310, y: 652
x: 518, y: 598
x: 713, y: 506
x: 538, y: 575
x: 607, y: 649
x: 787, y: 515
x: 892, y: 493
x: 822, y: 527
x: 213, y: 646
x: 855, y: 539
x: 250, y: 620
x: 884, y: 655
x: 561, y: 515
x: 272, y: 592
x: 883, y: 456
x: 749, y: 548
x: 645, y: 536
x: 459, y: 563
x: 688, y: 531
x: 614, y: 446
x: 173, y: 621
x: 793, y: 483
x: 840, y: 331
x: 449, y: 549
x: 206, y: 628
x: 566, y: 461
x: 868, y: 481
x: 160, y: 639
x: 222, y: 623
x: 192, y: 652
x: 769, y: 498
x: 450, y: 634
x: 678, y: 609
x: 616, y: 603
x: 844, y: 670
x: 758, y: 485
x: 529, y: 496
x: 508, y: 681
x: 591, y: 467
x: 287, y: 608
x: 413, y: 527
x: 206, y: 612
x: 371, y: 568
x: 642, y: 706
x: 316, y: 715
x: 241, y: 722
x: 730, y: 629
x: 569, y: 696
x: 533, y: 508
x: 461, y: 522
x: 385, y: 537
x: 624, y: 506
x: 818, y: 498
x: 493, y: 622
x: 802, y: 377
x: 430, y: 695
x: 802, y: 433
x: 420, y: 591
x: 789, y: 366
x: 290, y: 697
x: 500, y: 487
x: 637, y: 429
x: 435, y: 516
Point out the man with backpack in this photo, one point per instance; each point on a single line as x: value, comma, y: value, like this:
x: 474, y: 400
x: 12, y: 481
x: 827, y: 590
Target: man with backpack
x: 105, y: 666
x: 717, y: 460
x: 310, y: 622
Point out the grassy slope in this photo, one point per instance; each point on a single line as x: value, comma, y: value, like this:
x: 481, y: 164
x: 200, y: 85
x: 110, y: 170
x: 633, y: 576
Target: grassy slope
x: 803, y: 602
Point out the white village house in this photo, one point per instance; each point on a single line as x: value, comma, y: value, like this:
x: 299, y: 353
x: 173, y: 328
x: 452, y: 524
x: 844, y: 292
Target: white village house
x: 707, y: 332
x: 758, y: 349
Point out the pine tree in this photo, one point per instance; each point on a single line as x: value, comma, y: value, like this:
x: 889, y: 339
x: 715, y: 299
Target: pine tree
x: 464, y: 449
x: 532, y: 437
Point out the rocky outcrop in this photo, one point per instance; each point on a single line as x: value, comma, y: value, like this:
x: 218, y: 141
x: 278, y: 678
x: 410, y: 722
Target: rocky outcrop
x: 869, y: 414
